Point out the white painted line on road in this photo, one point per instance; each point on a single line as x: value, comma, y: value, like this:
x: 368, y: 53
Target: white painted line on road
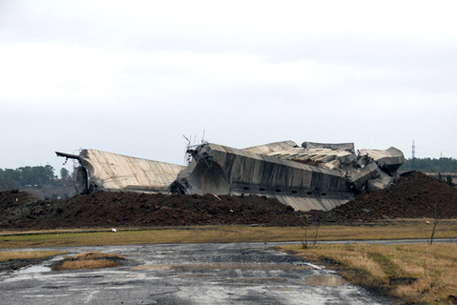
x: 44, y: 295
x: 313, y: 266
x: 119, y: 288
x: 103, y: 288
x: 91, y: 296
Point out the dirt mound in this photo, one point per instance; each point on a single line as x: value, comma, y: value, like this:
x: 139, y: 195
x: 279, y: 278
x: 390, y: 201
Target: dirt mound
x: 11, y: 203
x: 413, y: 195
x: 15, y: 196
x: 116, y: 209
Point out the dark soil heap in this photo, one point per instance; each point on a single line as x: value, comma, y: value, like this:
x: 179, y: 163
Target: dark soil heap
x: 119, y: 209
x: 15, y: 196
x: 413, y: 195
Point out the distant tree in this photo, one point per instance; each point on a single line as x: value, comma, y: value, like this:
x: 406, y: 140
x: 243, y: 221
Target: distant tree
x: 9, y: 179
x: 449, y: 180
x: 64, y: 173
x: 9, y: 175
x: 24, y: 176
x: 446, y: 165
x: 440, y: 177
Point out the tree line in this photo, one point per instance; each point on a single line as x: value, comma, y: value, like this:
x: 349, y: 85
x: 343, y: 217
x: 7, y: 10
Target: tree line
x: 441, y: 165
x: 31, y: 176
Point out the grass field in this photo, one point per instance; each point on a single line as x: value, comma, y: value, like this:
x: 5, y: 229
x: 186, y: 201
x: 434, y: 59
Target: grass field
x: 397, y: 230
x: 6, y: 256
x: 415, y: 273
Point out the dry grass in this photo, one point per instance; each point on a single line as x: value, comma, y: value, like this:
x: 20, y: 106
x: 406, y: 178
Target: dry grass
x: 90, y: 264
x: 6, y: 256
x: 421, y: 273
x: 89, y: 260
x: 418, y: 229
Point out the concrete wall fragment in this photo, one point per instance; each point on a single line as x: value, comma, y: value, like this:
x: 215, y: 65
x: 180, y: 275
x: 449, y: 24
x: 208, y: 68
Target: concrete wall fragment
x: 381, y: 181
x: 338, y: 146
x: 300, y: 185
x: 389, y: 160
x: 358, y: 179
x: 102, y: 170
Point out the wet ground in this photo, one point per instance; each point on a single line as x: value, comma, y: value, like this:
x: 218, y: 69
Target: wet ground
x: 241, y: 273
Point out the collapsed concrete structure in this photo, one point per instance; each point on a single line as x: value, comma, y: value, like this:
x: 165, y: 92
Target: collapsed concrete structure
x: 100, y: 170
x: 311, y: 176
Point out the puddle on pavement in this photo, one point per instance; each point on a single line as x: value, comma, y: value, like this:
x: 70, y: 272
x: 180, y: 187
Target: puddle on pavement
x: 153, y: 267
x: 240, y: 266
x: 254, y: 279
x: 243, y: 285
x: 224, y: 266
x: 33, y: 269
x: 196, y: 275
x: 329, y: 281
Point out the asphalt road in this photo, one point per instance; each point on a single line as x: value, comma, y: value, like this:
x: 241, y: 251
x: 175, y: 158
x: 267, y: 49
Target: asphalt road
x: 241, y: 273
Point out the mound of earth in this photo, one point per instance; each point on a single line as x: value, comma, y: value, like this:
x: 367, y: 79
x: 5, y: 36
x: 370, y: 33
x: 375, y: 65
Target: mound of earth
x: 15, y: 196
x: 413, y: 195
x: 120, y: 209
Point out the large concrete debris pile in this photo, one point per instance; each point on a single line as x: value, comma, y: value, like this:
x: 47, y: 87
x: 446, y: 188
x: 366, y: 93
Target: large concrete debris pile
x: 311, y: 176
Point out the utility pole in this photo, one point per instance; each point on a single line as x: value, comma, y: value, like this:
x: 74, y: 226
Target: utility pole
x: 413, y: 157
x: 440, y: 161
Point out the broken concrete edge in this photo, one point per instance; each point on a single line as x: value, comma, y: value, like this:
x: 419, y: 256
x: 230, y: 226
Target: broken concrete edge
x: 389, y: 160
x: 279, y: 170
x: 359, y: 178
x: 67, y: 156
x: 215, y: 167
x: 349, y: 147
x: 100, y: 170
x: 271, y: 147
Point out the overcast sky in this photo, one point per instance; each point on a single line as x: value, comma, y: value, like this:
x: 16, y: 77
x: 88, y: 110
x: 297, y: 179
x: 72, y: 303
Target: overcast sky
x: 133, y: 77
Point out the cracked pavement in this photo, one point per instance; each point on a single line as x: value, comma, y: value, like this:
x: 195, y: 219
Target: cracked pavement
x: 231, y: 273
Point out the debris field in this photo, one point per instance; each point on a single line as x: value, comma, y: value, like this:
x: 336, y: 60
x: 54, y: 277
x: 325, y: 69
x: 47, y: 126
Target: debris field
x: 412, y: 195
x: 312, y: 176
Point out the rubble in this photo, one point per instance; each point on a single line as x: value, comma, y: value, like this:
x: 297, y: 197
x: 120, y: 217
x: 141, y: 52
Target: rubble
x: 313, y: 176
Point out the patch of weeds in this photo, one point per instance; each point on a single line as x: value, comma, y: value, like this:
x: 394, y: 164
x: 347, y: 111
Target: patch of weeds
x: 7, y: 256
x: 89, y: 260
x: 413, y: 273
